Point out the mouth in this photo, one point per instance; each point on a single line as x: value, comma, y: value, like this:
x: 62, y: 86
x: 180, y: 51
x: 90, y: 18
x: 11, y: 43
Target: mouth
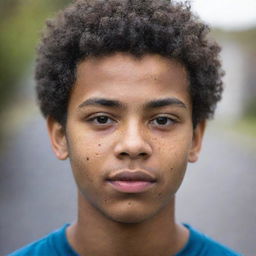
x: 131, y: 181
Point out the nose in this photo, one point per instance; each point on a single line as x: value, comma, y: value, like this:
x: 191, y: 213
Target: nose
x: 132, y: 143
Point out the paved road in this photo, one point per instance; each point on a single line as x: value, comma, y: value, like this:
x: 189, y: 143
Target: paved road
x: 37, y: 193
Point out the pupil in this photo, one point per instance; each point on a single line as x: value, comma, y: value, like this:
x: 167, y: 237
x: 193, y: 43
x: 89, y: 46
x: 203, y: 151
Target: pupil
x: 161, y: 120
x: 102, y: 119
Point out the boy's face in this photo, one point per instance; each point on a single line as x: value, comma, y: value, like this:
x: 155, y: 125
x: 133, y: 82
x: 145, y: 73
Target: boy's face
x: 129, y: 134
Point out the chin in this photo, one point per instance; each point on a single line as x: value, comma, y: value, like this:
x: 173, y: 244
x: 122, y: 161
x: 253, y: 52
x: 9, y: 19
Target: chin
x: 129, y: 218
x: 131, y: 214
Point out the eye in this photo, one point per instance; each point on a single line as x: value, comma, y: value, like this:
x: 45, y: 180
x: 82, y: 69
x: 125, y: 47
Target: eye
x: 101, y: 120
x: 163, y: 121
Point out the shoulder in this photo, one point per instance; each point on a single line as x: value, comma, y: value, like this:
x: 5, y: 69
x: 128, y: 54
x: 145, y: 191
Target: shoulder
x: 200, y: 244
x: 36, y: 248
x: 45, y: 246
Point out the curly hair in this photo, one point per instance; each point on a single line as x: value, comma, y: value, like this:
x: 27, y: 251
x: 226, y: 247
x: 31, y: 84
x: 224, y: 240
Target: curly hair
x: 98, y: 28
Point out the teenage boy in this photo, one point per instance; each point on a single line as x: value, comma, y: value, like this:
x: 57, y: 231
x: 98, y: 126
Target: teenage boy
x: 126, y: 87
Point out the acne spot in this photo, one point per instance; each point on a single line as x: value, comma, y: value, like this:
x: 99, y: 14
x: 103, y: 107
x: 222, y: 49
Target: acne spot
x: 88, y: 178
x: 99, y: 145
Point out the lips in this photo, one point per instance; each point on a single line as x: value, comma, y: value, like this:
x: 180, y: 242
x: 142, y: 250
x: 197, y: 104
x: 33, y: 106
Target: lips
x: 131, y: 181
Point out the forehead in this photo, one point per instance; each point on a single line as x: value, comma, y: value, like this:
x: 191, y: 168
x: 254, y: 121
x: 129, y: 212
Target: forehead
x: 145, y: 67
x: 126, y: 77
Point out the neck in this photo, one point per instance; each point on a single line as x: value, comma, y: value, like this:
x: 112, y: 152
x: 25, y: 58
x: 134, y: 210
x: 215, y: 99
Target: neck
x: 95, y: 234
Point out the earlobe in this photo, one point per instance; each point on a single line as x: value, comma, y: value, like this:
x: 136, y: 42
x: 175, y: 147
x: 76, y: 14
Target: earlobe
x: 197, y: 142
x: 58, y: 138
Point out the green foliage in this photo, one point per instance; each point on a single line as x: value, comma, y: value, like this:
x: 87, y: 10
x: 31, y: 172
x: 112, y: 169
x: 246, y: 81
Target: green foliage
x: 251, y: 109
x: 246, y: 38
x: 20, y: 24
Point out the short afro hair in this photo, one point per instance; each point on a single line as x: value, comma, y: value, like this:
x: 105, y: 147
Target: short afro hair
x: 95, y: 28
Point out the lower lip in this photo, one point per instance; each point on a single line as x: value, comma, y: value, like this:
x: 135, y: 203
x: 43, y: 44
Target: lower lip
x: 131, y: 186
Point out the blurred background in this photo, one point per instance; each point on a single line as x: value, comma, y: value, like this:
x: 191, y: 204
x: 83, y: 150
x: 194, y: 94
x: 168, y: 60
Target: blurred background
x: 37, y: 192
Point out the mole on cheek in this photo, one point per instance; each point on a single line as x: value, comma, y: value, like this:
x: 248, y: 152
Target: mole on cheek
x: 88, y: 178
x: 87, y: 158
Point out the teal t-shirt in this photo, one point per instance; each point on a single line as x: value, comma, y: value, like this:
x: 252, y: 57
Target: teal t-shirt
x: 56, y: 244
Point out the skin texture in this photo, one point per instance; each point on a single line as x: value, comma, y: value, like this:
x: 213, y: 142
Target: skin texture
x: 160, y: 141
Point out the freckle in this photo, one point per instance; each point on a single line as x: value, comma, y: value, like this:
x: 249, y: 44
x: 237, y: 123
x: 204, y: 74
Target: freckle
x: 129, y: 203
x: 99, y: 145
x: 159, y: 194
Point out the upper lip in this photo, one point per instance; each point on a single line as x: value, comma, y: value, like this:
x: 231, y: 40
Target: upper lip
x: 131, y: 175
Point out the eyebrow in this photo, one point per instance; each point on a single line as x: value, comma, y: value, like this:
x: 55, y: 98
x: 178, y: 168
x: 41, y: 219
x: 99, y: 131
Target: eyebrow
x: 165, y: 102
x: 158, y: 103
x: 102, y: 102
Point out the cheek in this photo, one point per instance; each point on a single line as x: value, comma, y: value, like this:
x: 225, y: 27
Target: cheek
x: 174, y: 149
x: 81, y: 166
x: 87, y: 144
x: 82, y: 156
x: 173, y: 156
x: 86, y: 157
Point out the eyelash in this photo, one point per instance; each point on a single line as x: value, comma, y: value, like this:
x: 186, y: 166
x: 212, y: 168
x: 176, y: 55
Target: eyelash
x: 93, y: 120
x: 171, y: 121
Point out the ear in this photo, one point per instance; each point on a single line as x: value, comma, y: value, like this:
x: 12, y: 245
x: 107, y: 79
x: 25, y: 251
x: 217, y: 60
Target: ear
x: 197, y: 142
x: 58, y: 138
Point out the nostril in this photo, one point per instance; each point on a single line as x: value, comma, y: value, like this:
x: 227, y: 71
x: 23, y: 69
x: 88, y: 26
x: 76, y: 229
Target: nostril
x: 124, y: 154
x: 142, y: 154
